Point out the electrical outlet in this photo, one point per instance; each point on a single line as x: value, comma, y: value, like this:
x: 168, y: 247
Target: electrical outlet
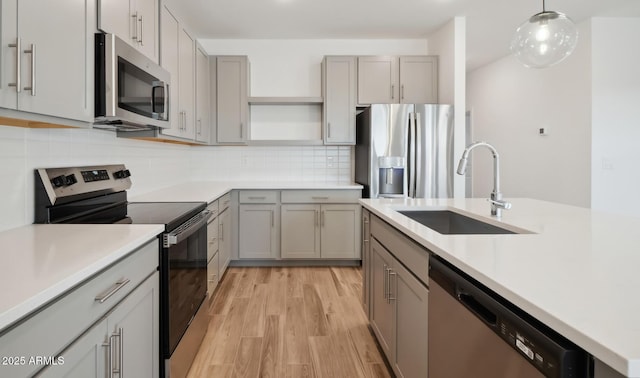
x: 543, y: 131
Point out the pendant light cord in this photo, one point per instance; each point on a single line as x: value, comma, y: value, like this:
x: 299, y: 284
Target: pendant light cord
x: 543, y: 7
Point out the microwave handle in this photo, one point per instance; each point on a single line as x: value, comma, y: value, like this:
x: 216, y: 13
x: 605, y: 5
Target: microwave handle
x: 165, y: 87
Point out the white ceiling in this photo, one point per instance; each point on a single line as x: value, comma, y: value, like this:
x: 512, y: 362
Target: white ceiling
x: 490, y: 23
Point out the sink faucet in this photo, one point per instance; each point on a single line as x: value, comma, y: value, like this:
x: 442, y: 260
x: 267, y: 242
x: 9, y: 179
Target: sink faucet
x: 497, y: 204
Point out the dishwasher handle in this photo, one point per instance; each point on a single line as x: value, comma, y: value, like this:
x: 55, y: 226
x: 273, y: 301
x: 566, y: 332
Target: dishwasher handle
x: 477, y: 308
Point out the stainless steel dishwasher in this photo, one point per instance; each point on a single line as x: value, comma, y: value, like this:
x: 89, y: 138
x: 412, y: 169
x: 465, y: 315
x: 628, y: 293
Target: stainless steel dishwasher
x: 475, y: 333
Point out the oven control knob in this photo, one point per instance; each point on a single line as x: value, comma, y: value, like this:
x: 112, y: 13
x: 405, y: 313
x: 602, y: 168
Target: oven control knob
x: 122, y: 174
x: 58, y: 181
x: 70, y: 180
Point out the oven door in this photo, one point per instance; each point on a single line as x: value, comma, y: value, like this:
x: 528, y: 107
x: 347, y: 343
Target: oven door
x: 183, y: 279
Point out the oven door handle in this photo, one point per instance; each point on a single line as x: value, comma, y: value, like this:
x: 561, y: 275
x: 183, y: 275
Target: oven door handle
x: 187, y: 229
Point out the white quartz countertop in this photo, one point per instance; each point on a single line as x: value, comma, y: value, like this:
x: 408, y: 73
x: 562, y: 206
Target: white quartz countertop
x: 578, y: 272
x: 209, y: 191
x: 41, y: 262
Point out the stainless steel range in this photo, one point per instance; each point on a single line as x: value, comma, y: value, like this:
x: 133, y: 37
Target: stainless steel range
x: 98, y: 194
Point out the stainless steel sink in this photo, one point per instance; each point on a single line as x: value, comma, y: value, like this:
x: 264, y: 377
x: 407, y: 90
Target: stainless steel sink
x: 451, y: 223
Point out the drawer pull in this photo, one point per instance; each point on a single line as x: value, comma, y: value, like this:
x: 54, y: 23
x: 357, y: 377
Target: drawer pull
x: 257, y: 197
x: 112, y: 290
x: 320, y: 197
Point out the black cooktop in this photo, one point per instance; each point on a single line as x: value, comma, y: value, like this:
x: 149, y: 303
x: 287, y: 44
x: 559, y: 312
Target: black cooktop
x: 171, y: 214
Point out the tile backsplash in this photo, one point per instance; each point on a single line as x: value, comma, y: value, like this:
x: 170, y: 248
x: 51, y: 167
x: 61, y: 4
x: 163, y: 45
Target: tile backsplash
x: 153, y: 165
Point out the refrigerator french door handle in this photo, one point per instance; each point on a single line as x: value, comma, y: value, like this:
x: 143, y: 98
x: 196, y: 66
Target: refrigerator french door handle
x: 417, y: 162
x: 412, y: 155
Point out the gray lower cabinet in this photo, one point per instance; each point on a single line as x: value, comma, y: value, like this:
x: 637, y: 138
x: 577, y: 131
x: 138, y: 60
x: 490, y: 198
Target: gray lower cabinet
x: 399, y: 309
x: 116, y: 311
x: 259, y: 229
x: 300, y: 231
x: 339, y: 226
x: 328, y: 231
x: 125, y: 340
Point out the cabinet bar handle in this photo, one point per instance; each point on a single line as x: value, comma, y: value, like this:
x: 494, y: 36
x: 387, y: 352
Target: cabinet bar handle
x: 384, y: 281
x: 221, y: 231
x: 272, y: 218
x: 241, y: 130
x: 32, y: 88
x: 112, y: 290
x: 120, y: 368
x: 18, y: 47
x: 257, y: 197
x: 328, y: 129
x: 109, y: 347
x: 392, y: 298
x: 141, y: 29
x: 322, y: 218
x: 315, y: 218
x: 392, y: 88
x: 320, y: 197
x: 199, y: 126
x: 135, y: 26
x: 402, y: 91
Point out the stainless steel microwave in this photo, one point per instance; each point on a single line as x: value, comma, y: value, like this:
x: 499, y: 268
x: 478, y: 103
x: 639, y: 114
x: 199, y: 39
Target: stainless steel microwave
x: 131, y: 90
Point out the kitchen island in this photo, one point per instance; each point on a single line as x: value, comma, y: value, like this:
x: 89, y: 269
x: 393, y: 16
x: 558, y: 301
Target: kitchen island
x: 573, y: 269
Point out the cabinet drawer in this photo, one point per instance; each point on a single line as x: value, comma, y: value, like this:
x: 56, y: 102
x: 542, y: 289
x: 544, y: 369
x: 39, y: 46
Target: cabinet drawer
x: 320, y: 196
x: 53, y: 328
x: 224, y: 202
x: 258, y: 196
x: 213, y: 208
x: 412, y: 255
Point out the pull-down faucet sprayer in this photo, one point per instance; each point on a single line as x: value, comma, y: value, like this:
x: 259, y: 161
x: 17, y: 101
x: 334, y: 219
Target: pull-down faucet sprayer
x: 497, y: 204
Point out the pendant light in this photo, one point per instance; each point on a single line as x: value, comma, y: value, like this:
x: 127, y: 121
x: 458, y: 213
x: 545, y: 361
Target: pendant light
x: 545, y: 39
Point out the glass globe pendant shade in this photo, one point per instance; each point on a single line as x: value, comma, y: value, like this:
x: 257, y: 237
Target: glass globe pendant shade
x: 545, y: 39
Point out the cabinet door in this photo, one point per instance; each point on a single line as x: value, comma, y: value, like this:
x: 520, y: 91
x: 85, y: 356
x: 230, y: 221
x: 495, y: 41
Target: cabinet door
x: 382, y: 321
x: 8, y: 72
x: 339, y: 100
x: 419, y: 79
x: 147, y: 27
x: 115, y: 17
x: 203, y: 127
x: 378, y: 80
x: 169, y: 61
x: 411, y: 310
x: 340, y: 226
x: 85, y: 358
x: 258, y: 231
x: 57, y: 72
x: 232, y: 101
x: 300, y: 231
x: 186, y: 77
x: 134, y: 325
x: 224, y: 247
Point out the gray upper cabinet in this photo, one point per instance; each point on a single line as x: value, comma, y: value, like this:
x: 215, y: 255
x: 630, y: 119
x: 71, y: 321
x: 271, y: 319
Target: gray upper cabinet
x: 339, y: 93
x: 392, y: 80
x: 203, y: 82
x: 47, y: 57
x: 378, y: 80
x: 419, y: 79
x: 178, y: 57
x: 232, y: 105
x: 134, y: 21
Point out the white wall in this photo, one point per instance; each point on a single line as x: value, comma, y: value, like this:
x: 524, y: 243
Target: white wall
x: 616, y: 115
x: 449, y: 43
x: 153, y: 165
x: 509, y: 103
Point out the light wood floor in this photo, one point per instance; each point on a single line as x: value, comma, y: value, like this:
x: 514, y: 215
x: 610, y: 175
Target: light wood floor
x: 289, y: 322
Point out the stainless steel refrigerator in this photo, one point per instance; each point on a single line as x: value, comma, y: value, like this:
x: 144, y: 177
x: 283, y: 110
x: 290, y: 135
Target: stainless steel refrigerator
x: 405, y: 150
